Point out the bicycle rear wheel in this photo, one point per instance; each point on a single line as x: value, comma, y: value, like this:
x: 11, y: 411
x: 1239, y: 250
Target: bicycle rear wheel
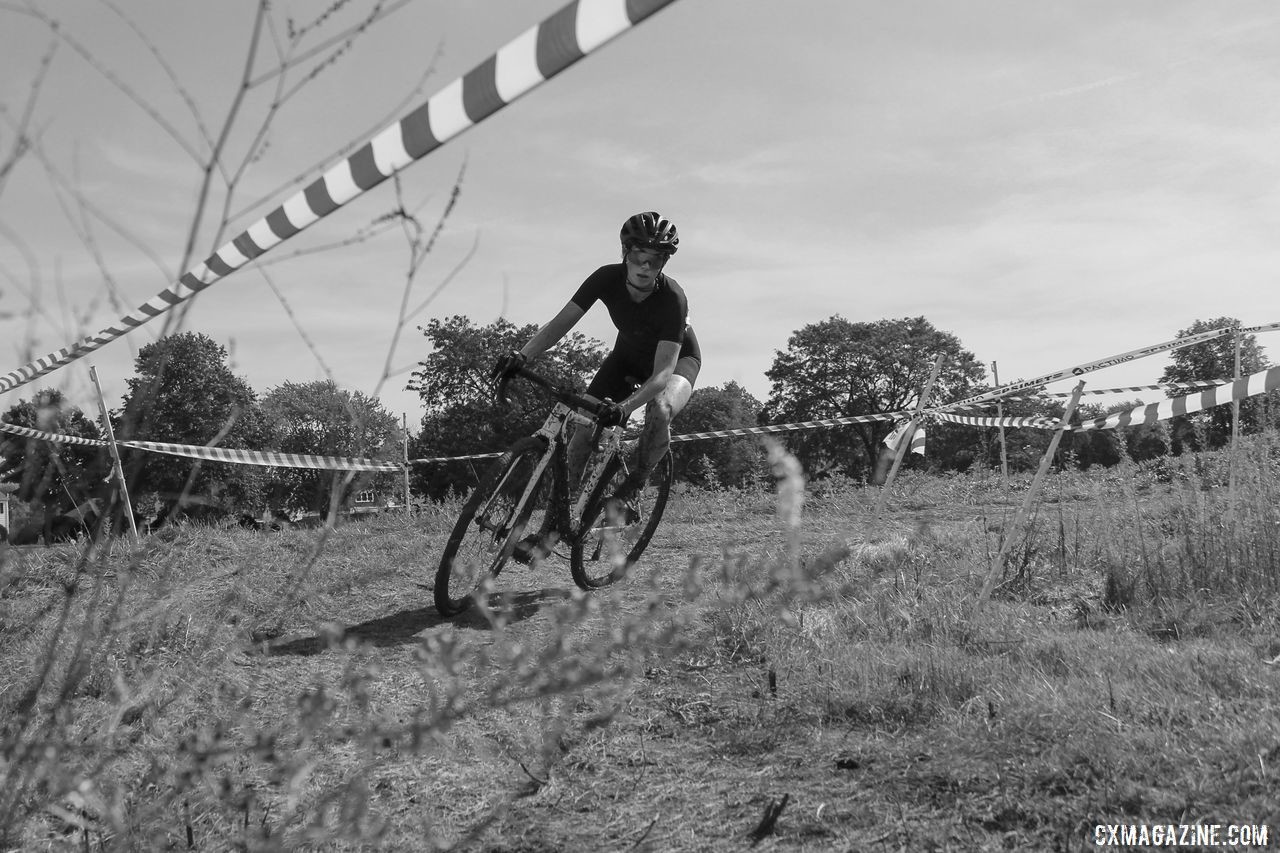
x: 488, y: 529
x: 607, y: 546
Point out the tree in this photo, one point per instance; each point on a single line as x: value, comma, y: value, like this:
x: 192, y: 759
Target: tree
x: 723, y: 461
x: 322, y: 419
x: 1209, y: 361
x: 56, y: 477
x: 958, y: 447
x: 1146, y: 441
x: 837, y: 368
x: 185, y: 393
x: 462, y: 417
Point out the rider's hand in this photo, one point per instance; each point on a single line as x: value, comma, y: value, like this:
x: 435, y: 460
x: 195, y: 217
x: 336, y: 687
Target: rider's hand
x: 610, y: 414
x: 507, y: 365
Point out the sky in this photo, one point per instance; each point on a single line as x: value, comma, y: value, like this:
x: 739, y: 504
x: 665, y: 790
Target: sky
x: 1052, y: 183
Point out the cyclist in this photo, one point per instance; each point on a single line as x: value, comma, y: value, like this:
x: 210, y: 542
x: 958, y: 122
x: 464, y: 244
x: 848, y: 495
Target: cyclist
x: 655, y: 347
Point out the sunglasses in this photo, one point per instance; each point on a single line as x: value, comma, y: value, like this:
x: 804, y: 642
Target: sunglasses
x: 644, y: 258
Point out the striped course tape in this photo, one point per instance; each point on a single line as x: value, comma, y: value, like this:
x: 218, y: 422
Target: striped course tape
x: 28, y: 432
x: 1158, y: 386
x: 893, y: 439
x: 972, y: 420
x: 1262, y: 382
x: 536, y: 55
x: 1090, y: 366
x: 218, y: 454
x: 1259, y: 383
x: 1110, y: 361
x: 262, y: 457
x: 772, y: 429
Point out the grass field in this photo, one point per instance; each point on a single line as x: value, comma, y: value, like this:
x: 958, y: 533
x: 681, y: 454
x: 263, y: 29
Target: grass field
x: 773, y: 675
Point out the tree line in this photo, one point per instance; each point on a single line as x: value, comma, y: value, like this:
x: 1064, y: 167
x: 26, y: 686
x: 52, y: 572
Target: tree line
x: 829, y: 369
x: 185, y: 392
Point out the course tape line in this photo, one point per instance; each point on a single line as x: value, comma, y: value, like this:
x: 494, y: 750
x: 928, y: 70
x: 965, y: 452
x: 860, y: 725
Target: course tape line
x: 217, y: 454
x: 531, y: 58
x: 1032, y: 422
x: 28, y: 432
x: 1088, y: 367
x: 777, y: 428
x: 260, y: 457
x: 1258, y: 383
x: 1158, y: 386
x: 1262, y: 382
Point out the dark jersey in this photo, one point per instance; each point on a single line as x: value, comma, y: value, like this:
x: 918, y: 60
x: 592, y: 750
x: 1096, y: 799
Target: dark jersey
x: 661, y: 316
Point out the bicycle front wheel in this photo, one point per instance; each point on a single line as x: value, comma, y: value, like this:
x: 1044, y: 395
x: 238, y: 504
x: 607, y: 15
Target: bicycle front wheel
x: 489, y: 527
x: 608, y: 545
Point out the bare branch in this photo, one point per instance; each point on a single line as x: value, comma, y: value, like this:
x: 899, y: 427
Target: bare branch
x: 168, y: 70
x: 21, y: 139
x: 370, y: 231
x: 418, y: 252
x: 475, y: 244
x: 345, y: 151
x: 83, y: 226
x: 110, y: 76
x: 35, y: 306
x: 215, y: 155
x: 64, y: 185
x: 293, y: 318
x: 33, y: 270
x: 296, y: 35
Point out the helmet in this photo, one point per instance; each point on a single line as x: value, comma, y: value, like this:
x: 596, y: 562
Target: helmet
x: 650, y: 231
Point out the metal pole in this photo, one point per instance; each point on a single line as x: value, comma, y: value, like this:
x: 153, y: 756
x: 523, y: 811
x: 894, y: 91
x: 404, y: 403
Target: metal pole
x: 1025, y: 509
x: 905, y: 441
x: 1004, y: 453
x: 116, y: 468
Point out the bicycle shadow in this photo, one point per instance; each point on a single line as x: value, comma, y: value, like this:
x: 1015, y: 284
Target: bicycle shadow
x: 405, y: 627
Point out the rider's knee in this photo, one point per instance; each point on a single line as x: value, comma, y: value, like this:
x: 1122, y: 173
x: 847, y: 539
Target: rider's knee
x: 659, y: 412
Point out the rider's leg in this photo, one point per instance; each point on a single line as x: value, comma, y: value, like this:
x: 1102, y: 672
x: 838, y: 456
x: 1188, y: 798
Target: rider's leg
x: 655, y: 438
x: 577, y: 454
x: 610, y: 381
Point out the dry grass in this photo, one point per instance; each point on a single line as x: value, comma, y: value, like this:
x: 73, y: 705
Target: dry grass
x: 820, y: 687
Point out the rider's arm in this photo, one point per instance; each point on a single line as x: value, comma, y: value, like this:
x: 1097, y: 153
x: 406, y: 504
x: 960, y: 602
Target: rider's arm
x: 550, y: 334
x: 664, y: 364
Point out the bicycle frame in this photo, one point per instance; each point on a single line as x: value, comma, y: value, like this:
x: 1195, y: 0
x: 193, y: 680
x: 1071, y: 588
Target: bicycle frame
x: 532, y: 479
x: 555, y: 432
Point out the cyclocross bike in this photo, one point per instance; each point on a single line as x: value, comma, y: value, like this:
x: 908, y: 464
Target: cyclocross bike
x: 521, y: 509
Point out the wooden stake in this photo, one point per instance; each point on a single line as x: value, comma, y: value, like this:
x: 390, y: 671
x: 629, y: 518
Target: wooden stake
x: 1235, y: 430
x: 1004, y: 453
x: 117, y: 469
x: 1025, y: 509
x: 408, y: 501
x: 905, y: 442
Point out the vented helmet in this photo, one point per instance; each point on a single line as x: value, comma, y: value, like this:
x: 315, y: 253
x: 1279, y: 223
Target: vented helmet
x: 650, y: 231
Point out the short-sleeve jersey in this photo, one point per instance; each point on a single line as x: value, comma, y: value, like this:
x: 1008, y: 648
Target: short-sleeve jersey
x: 661, y: 316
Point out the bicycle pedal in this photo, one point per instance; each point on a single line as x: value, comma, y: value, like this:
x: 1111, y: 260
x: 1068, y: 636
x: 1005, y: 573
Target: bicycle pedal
x: 621, y: 512
x: 532, y: 548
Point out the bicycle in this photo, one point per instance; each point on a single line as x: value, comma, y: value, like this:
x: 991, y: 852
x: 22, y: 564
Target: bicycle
x: 527, y: 489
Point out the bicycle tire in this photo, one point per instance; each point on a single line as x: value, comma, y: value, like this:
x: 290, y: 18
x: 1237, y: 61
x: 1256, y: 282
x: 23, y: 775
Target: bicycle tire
x: 603, y: 550
x: 478, y: 548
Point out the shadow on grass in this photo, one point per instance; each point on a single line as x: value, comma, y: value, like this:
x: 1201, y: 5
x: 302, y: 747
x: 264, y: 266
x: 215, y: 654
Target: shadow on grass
x: 404, y: 627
